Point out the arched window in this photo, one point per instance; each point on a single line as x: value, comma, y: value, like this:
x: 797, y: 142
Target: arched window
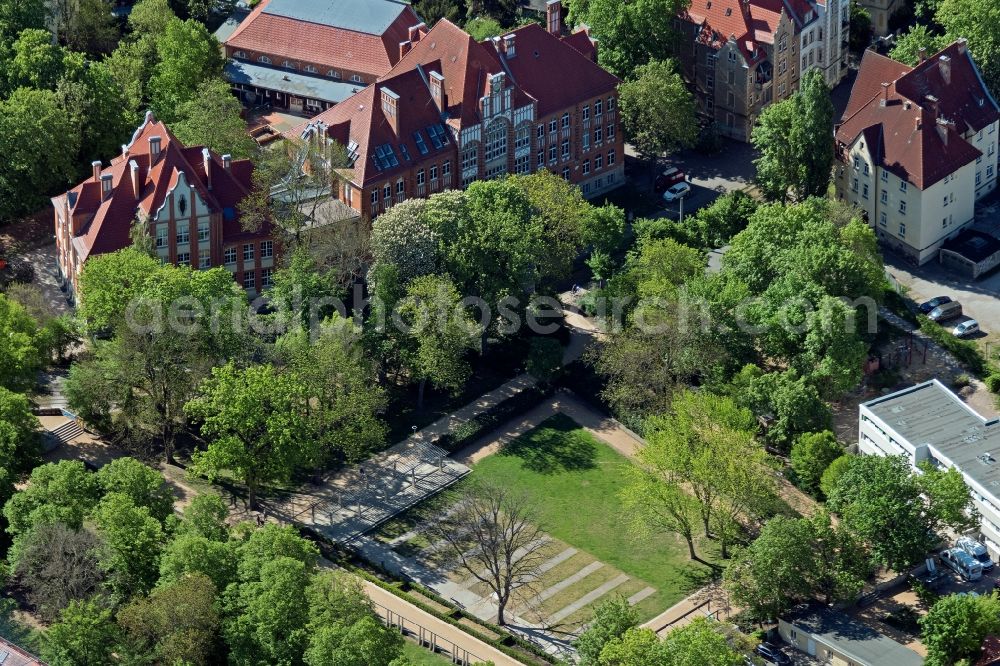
x: 356, y: 78
x: 288, y: 64
x: 333, y: 74
x: 264, y: 59
x: 311, y: 69
x: 240, y: 54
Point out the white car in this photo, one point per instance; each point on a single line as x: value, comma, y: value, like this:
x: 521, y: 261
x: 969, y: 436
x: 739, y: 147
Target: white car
x: 675, y: 192
x: 966, y: 328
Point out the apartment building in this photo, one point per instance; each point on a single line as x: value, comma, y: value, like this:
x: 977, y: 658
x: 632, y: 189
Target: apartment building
x: 917, y: 147
x: 746, y: 54
x: 187, y: 196
x: 303, y: 57
x: 454, y: 110
x: 929, y: 423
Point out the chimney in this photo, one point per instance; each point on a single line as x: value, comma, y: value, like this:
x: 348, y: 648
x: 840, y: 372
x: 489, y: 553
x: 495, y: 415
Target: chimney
x: 416, y: 32
x: 553, y: 16
x: 437, y: 90
x: 944, y: 64
x: 923, y: 53
x: 404, y: 48
x: 916, y: 122
x: 133, y: 168
x: 105, y: 187
x: 963, y: 45
x: 508, y: 46
x: 885, y: 93
x: 932, y: 103
x: 942, y: 128
x: 154, y: 148
x: 227, y: 162
x: 96, y: 168
x: 206, y: 157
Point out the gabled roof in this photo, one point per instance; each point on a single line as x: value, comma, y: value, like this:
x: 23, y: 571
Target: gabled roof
x: 540, y: 56
x: 544, y: 69
x: 723, y: 20
x: 466, y: 65
x: 917, y: 122
x: 108, y: 221
x: 352, y: 35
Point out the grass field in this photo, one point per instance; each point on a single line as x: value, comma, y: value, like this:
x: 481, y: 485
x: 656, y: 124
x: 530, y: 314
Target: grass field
x: 573, y: 480
x: 419, y: 656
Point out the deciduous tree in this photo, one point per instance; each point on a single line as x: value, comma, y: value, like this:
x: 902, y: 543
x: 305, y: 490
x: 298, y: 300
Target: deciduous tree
x: 143, y: 485
x: 440, y: 331
x: 86, y: 633
x: 658, y: 110
x: 974, y: 20
x: 956, y: 625
x: 908, y: 45
x: 793, y: 137
x: 39, y: 144
x: 612, y: 618
x: 812, y: 453
x: 256, y: 424
x: 631, y: 34
x: 133, y: 540
x: 401, y: 236
x: 188, y: 55
x: 494, y: 536
x: 880, y: 501
x: 58, y: 565
x: 178, y: 622
x: 212, y: 118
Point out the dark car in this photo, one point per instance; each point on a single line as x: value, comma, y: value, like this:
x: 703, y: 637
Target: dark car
x: 927, y: 306
x: 772, y: 654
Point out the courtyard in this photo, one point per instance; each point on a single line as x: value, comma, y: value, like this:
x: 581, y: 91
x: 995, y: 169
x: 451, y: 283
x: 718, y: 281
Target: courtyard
x: 572, y: 479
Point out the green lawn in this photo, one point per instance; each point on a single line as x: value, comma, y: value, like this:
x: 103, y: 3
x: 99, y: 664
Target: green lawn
x: 574, y: 480
x: 419, y: 656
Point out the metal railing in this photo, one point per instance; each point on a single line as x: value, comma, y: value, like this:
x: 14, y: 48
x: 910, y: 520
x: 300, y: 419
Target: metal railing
x: 426, y: 637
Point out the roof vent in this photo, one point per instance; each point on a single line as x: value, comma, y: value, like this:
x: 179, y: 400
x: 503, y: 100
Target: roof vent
x: 729, y: 11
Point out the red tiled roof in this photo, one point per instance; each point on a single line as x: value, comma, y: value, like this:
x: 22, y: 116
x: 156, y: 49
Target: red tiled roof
x: 722, y: 20
x: 335, y: 48
x: 541, y: 56
x: 581, y: 41
x: 764, y: 18
x: 110, y: 220
x: 903, y: 128
x: 540, y: 61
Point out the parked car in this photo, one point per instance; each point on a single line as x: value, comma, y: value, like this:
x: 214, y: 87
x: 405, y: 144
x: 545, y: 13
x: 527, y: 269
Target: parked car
x: 962, y: 563
x: 949, y: 310
x: 670, y: 176
x: 927, y: 306
x: 977, y: 550
x: 966, y: 328
x: 772, y: 654
x: 675, y: 192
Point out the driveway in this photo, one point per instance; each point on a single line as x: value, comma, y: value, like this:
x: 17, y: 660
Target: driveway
x: 978, y: 297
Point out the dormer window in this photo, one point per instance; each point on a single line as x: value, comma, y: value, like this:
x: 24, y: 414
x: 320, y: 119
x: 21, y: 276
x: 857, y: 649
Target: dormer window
x: 333, y: 74
x: 264, y: 60
x: 356, y: 78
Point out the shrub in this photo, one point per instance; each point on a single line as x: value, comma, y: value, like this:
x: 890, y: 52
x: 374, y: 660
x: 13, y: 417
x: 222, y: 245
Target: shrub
x: 993, y: 383
x: 476, y: 427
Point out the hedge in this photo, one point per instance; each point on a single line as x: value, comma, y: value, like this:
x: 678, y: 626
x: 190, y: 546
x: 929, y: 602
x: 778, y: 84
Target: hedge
x: 966, y: 352
x: 468, y: 432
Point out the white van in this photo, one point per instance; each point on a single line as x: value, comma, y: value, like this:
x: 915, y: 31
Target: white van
x: 962, y: 563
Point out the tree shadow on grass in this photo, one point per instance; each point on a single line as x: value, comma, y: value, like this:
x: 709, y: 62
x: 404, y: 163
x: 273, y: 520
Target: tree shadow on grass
x: 558, y: 445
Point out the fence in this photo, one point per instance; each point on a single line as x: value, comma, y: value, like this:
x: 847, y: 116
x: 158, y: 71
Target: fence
x: 427, y: 638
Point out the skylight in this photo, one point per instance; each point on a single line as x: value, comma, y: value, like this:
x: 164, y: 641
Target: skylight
x: 438, y: 137
x: 421, y: 144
